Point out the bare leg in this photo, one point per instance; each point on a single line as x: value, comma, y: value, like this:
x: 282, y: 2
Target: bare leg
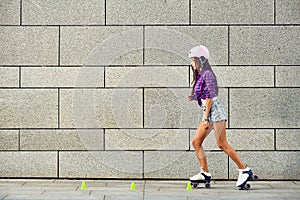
x: 220, y: 133
x: 197, y: 143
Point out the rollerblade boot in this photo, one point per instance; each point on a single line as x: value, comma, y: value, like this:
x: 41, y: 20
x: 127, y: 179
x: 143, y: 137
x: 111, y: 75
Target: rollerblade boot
x: 244, y: 176
x: 202, y: 177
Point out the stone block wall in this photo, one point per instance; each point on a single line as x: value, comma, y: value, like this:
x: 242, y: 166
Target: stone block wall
x: 98, y: 88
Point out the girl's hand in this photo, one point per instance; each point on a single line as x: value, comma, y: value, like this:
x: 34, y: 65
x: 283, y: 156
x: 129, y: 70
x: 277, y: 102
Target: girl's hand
x: 191, y: 98
x: 206, y: 125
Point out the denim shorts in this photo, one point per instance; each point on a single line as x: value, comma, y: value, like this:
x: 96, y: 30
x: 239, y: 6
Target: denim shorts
x: 217, y: 111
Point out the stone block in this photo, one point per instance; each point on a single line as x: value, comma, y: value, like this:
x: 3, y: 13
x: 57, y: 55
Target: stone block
x: 274, y: 165
x: 264, y: 108
x: 24, y: 108
x: 232, y: 12
x: 287, y: 76
x: 182, y: 165
x: 236, y: 76
x: 9, y: 139
x: 169, y: 108
x: 100, y: 164
x: 147, y: 12
x: 29, y: 45
x: 101, y: 45
x: 101, y: 108
x: 61, y: 139
x: 147, y: 139
x: 288, y: 139
x: 147, y: 76
x: 62, y: 77
x: 264, y: 45
x: 10, y: 12
x: 48, y: 12
x: 28, y: 164
x: 9, y: 77
x: 170, y: 45
x: 287, y: 12
x: 256, y: 139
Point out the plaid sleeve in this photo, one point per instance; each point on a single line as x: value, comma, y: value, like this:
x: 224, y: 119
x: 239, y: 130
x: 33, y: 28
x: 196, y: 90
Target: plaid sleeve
x: 210, y: 84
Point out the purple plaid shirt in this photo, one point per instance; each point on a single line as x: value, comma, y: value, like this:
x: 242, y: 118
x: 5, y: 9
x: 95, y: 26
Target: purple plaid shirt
x: 206, y: 86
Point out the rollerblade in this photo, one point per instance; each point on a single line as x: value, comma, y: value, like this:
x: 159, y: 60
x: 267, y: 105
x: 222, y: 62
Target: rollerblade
x: 202, y: 177
x: 244, y: 176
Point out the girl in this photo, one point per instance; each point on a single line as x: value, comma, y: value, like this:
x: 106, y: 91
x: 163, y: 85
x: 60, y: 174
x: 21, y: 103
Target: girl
x: 205, y: 90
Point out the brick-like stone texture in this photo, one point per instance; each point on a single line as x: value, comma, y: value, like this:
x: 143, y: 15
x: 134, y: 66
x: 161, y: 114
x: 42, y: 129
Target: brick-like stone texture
x: 169, y: 108
x: 48, y: 12
x: 287, y: 12
x: 264, y: 108
x: 61, y: 139
x: 248, y: 76
x: 101, y: 108
x: 101, y: 45
x: 29, y: 45
x: 264, y: 45
x: 270, y: 165
x: 9, y: 139
x: 232, y: 12
x: 170, y: 45
x: 147, y: 12
x: 100, y: 164
x: 287, y: 76
x: 28, y: 164
x: 147, y: 76
x: 147, y: 139
x: 10, y: 12
x: 23, y: 108
x: 182, y: 165
x: 9, y: 77
x: 62, y: 77
x: 288, y: 139
x: 257, y: 139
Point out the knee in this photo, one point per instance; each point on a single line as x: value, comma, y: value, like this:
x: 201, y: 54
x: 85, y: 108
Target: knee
x: 222, y: 145
x: 196, y: 143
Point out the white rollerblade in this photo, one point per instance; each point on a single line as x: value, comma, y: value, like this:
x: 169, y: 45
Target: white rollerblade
x: 202, y: 177
x: 244, y: 176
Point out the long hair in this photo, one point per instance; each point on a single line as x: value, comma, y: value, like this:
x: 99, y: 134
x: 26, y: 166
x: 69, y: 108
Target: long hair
x: 205, y: 66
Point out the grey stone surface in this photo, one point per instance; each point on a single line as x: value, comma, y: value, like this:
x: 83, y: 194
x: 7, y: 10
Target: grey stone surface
x: 101, y: 45
x: 248, y: 76
x: 48, y: 12
x: 147, y: 139
x: 183, y: 165
x: 24, y: 108
x: 147, y: 12
x: 288, y: 139
x: 232, y: 12
x: 256, y: 139
x: 101, y: 108
x: 29, y: 45
x: 264, y: 108
x: 100, y: 164
x: 9, y: 139
x: 287, y: 76
x: 270, y: 165
x: 9, y: 77
x: 28, y: 164
x: 287, y: 12
x: 61, y: 139
x: 170, y: 45
x: 10, y: 12
x: 169, y: 108
x: 147, y: 76
x: 62, y: 77
x: 264, y: 45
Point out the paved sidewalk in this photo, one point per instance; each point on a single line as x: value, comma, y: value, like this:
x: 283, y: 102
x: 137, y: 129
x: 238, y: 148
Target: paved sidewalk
x: 18, y: 189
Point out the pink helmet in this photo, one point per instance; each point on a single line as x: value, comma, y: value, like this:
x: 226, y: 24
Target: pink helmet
x: 198, y: 51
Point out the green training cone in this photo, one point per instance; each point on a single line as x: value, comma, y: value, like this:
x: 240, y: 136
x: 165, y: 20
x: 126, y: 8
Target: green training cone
x: 132, y: 187
x: 83, y: 185
x: 189, y: 186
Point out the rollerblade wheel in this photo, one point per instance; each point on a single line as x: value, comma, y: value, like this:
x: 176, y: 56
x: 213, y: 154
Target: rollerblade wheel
x: 255, y: 177
x: 194, y: 185
x: 247, y: 186
x: 207, y: 185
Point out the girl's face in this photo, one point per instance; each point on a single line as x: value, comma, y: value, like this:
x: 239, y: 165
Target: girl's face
x: 196, y: 64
